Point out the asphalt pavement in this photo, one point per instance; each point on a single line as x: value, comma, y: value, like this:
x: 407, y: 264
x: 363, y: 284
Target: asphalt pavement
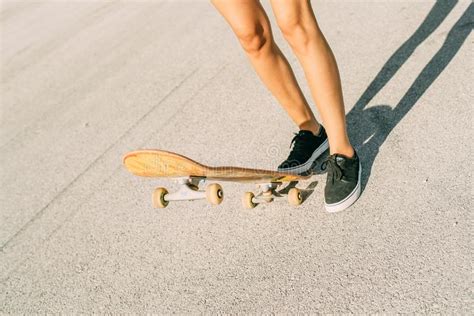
x: 82, y: 83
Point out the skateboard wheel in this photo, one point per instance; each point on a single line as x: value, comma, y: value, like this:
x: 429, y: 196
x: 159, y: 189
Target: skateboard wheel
x: 214, y: 193
x: 158, y: 198
x: 247, y: 200
x: 267, y: 196
x: 294, y: 197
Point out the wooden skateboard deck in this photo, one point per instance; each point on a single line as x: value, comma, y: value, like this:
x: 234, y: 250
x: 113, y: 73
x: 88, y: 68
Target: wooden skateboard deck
x: 191, y: 174
x: 165, y: 164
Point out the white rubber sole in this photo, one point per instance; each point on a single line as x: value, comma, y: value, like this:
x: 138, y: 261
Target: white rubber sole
x: 349, y: 200
x: 309, y: 163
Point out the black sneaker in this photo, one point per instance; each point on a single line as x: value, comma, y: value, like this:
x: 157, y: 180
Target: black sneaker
x: 306, y: 149
x: 343, y: 181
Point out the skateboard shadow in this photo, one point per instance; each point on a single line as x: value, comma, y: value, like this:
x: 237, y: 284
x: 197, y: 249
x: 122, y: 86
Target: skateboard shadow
x: 369, y: 127
x: 305, y: 193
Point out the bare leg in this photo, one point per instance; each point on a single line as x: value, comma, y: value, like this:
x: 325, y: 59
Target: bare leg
x: 298, y: 24
x: 250, y: 23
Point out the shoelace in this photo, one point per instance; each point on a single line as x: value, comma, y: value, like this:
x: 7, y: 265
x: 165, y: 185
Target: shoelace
x: 336, y: 170
x: 298, y: 147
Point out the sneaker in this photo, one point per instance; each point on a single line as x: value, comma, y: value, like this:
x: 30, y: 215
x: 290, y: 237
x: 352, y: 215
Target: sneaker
x: 343, y: 181
x: 307, y: 147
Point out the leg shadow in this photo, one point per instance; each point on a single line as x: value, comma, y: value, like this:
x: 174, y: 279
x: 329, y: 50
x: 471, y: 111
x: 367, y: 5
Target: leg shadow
x: 369, y: 128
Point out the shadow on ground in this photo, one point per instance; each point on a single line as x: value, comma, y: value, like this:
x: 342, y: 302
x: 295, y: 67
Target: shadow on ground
x: 369, y: 127
x: 305, y: 192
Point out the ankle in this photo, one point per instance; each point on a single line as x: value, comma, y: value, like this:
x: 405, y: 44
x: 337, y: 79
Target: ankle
x: 348, y: 152
x: 313, y: 127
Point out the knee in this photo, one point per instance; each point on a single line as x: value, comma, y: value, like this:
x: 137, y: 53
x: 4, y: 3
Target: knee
x: 253, y: 39
x: 298, y: 33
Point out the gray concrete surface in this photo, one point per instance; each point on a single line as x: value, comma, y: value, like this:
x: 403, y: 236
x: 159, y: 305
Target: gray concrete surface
x: 82, y: 83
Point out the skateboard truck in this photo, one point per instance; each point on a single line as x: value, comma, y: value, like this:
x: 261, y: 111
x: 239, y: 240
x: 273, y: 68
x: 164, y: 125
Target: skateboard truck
x: 267, y: 193
x: 188, y: 190
x: 214, y: 194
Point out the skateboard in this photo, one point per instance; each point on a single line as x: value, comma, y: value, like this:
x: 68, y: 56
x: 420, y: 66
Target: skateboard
x: 193, y: 178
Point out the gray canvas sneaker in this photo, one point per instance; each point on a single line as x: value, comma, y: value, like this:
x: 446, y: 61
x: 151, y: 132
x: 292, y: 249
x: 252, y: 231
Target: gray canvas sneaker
x: 343, y: 181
